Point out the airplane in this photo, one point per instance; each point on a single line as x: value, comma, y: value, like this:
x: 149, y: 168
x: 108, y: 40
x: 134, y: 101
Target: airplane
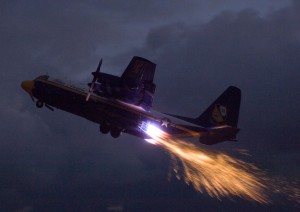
x: 124, y: 105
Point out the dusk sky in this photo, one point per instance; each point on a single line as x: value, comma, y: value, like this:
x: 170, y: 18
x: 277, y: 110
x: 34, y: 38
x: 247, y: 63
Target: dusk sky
x: 55, y: 161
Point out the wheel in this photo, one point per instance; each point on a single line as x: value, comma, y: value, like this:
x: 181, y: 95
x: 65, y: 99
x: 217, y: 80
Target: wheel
x: 115, y: 132
x: 39, y: 104
x: 104, y: 128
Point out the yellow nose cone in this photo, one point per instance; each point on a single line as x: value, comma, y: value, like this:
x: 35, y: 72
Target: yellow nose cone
x: 28, y: 85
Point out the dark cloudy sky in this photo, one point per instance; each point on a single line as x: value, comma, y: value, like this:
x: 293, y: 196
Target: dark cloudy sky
x: 60, y: 162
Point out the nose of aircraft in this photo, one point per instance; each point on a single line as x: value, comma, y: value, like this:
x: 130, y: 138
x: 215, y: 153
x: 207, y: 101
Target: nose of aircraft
x: 28, y: 85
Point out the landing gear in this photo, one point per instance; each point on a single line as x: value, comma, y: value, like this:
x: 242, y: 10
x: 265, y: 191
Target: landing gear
x: 115, y: 132
x: 104, y: 128
x: 39, y: 104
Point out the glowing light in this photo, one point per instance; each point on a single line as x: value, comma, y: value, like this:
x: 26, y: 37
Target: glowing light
x: 154, y: 131
x: 151, y: 141
x: 219, y: 174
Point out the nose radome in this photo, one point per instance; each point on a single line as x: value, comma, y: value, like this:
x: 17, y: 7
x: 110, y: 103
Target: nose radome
x: 28, y: 85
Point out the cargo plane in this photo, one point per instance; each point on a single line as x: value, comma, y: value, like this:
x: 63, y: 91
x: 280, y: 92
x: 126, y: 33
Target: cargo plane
x: 124, y: 105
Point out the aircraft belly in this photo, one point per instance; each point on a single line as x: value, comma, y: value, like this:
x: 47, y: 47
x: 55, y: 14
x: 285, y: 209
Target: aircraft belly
x: 93, y: 110
x: 101, y: 110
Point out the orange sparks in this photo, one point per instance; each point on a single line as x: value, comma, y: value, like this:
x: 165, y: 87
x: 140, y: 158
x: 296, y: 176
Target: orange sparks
x: 218, y: 174
x: 222, y: 175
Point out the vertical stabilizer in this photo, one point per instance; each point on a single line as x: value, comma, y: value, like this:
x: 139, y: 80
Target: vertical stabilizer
x: 223, y: 111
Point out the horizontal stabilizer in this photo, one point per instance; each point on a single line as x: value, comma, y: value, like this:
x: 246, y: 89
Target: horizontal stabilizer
x: 223, y: 111
x: 219, y: 134
x: 220, y: 119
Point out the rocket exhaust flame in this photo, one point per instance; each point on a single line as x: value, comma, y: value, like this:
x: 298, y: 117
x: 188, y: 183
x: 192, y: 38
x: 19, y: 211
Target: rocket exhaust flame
x: 220, y: 174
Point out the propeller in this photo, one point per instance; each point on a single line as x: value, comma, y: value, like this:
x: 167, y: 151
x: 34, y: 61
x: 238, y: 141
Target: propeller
x: 92, y: 84
x: 32, y: 98
x: 50, y: 108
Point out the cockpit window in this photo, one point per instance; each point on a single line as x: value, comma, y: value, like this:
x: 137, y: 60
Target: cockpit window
x: 43, y: 77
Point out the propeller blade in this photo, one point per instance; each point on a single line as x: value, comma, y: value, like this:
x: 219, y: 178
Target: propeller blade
x: 99, y: 66
x: 32, y: 98
x: 87, y: 96
x: 50, y: 108
x: 91, y: 89
x: 92, y: 85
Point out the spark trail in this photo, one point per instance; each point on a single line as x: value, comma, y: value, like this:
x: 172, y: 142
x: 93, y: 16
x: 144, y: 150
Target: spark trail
x: 222, y: 175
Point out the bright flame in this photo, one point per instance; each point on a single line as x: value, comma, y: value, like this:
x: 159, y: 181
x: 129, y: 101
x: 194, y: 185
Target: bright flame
x: 153, y: 131
x: 151, y: 141
x: 217, y: 173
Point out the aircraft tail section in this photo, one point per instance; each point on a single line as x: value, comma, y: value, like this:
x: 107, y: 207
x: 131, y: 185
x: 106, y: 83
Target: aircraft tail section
x: 220, y: 119
x: 223, y: 111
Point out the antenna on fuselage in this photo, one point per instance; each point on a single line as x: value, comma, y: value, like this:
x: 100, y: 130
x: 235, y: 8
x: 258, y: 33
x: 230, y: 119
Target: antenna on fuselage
x: 92, y: 84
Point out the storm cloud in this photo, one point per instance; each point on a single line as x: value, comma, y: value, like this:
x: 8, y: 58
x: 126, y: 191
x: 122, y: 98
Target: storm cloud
x: 57, y: 161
